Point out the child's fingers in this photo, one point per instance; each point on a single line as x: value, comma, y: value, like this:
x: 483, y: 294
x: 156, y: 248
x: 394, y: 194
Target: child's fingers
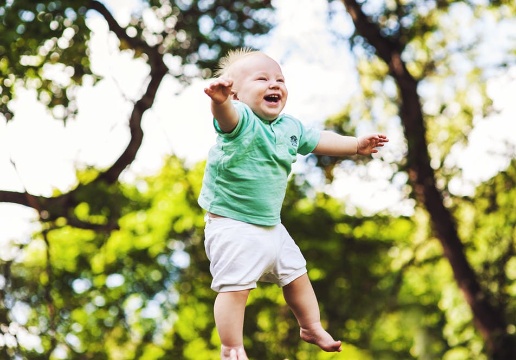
x: 222, y: 83
x: 226, y: 83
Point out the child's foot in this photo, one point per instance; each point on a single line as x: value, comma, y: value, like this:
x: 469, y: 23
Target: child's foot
x: 231, y: 353
x: 315, y: 334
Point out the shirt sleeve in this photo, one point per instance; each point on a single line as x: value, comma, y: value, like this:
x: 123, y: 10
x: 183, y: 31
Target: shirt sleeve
x: 243, y: 119
x: 309, y: 139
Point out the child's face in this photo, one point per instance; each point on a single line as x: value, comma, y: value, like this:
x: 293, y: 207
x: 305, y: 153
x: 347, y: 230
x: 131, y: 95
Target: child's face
x: 259, y: 83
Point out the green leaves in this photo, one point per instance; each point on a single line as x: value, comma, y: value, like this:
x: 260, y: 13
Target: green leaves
x: 36, y: 35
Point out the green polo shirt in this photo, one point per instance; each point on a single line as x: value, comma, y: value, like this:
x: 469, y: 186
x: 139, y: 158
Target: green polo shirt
x: 247, y: 170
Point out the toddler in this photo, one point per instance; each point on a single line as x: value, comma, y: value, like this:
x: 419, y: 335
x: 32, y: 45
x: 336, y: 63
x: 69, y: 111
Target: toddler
x: 243, y: 190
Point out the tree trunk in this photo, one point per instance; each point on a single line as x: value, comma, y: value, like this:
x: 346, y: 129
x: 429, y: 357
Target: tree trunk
x: 488, y: 318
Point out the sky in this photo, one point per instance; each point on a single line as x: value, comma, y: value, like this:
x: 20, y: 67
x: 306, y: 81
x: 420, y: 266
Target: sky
x: 320, y: 78
x: 318, y: 85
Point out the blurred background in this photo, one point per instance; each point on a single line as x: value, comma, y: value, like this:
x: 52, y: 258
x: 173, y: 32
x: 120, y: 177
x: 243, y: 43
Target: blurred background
x: 104, y: 132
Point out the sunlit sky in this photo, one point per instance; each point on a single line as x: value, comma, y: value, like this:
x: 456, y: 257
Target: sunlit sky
x: 320, y: 78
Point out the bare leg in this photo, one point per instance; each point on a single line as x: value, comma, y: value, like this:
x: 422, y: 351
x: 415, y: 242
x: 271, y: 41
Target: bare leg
x: 229, y: 312
x: 301, y: 298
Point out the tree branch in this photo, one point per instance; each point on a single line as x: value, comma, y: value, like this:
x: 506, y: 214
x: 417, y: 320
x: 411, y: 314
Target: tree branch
x: 158, y: 70
x: 488, y: 319
x: 157, y: 73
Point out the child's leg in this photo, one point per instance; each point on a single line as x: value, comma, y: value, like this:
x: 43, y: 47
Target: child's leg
x: 301, y: 298
x: 229, y: 312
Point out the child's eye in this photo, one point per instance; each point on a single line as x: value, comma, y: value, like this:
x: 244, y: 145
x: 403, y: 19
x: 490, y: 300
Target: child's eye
x: 262, y: 78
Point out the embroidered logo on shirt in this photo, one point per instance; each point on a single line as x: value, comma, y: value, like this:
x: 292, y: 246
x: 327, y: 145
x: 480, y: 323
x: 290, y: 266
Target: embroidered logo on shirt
x: 293, y: 140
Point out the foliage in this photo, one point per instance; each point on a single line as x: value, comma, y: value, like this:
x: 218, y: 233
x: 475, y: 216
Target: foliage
x: 420, y: 65
x: 93, y: 280
x: 38, y: 37
x: 382, y: 285
x: 134, y: 283
x: 488, y: 222
x: 110, y: 296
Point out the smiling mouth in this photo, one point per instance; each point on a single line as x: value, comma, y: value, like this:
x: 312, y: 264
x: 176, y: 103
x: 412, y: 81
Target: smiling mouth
x: 272, y: 98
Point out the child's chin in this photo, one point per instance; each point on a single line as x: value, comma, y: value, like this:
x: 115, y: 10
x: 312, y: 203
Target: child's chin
x: 270, y: 115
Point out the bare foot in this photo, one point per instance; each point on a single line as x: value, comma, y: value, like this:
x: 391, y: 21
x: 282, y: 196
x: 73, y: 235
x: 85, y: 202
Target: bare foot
x: 315, y: 334
x: 231, y: 353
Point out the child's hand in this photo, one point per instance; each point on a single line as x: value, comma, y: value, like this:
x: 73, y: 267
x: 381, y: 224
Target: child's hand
x: 367, y: 144
x: 219, y: 90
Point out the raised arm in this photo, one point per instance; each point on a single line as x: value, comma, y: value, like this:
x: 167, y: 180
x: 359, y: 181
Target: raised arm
x: 333, y: 144
x: 221, y: 107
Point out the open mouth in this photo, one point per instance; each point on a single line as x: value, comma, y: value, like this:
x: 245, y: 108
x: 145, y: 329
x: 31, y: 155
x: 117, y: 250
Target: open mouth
x: 273, y: 98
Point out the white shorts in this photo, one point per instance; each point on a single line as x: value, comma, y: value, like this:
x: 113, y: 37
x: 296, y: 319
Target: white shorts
x: 241, y: 254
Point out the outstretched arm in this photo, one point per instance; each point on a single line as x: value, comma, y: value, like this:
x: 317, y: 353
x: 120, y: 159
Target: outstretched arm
x: 221, y: 107
x: 333, y: 144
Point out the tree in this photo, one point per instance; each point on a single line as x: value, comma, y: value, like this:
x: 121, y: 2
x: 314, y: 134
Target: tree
x: 107, y: 276
x: 38, y: 36
x: 394, y: 37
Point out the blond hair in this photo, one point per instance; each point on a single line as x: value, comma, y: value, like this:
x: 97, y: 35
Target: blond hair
x: 232, y: 57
